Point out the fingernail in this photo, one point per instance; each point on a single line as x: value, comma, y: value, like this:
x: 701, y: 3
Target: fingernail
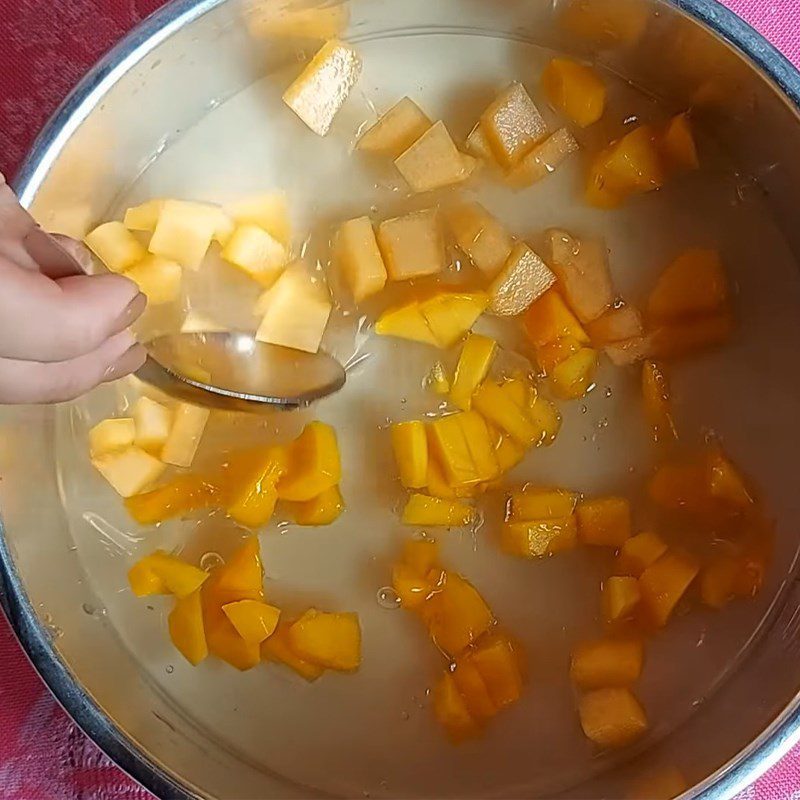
x: 132, y: 312
x: 53, y: 258
x: 128, y: 362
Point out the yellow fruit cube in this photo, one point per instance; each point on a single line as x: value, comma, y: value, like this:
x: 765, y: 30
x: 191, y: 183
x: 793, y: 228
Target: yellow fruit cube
x: 188, y: 424
x: 607, y: 662
x: 285, y: 19
x: 575, y: 90
x: 158, y: 278
x: 677, y: 144
x: 574, y: 376
x: 605, y: 23
x: 473, y: 365
x: 360, y: 258
x: 508, y: 452
x: 718, y: 581
x: 449, y: 446
x: 323, y: 509
x: 620, y: 597
x: 581, y: 266
x: 421, y: 555
x: 612, y: 717
x: 115, y: 246
x: 480, y: 235
x: 181, y: 495
x: 144, y: 582
x: 421, y: 510
x: 257, y: 253
x: 663, y: 783
x: 546, y: 421
x: 396, y: 130
x: 512, y: 125
x: 153, y: 422
x: 143, y: 217
x: 268, y: 211
x: 549, y: 319
x: 410, y: 444
x: 656, y: 395
x: 186, y: 629
x: 314, y: 464
x: 604, y: 521
x: 726, y: 482
x: 451, y: 315
x: 473, y: 689
x: 663, y: 584
x: 436, y: 483
x: 129, y: 471
x: 254, y: 621
x: 242, y: 574
x: 619, y: 323
x: 433, y: 161
x: 412, y: 245
x: 437, y: 378
x: 110, y: 435
x: 330, y: 640
x: 252, y: 503
x: 639, y: 552
x: 278, y: 648
x: 176, y: 576
x: 478, y: 145
x: 523, y: 279
x: 539, y: 538
x: 197, y: 322
x: 451, y: 710
x: 687, y: 336
x: 296, y: 311
x: 412, y: 587
x: 497, y: 407
x: 544, y: 159
x: 550, y: 355
x: 519, y: 390
x: 405, y: 322
x: 184, y: 232
x: 480, y: 444
x: 532, y: 503
x: 323, y: 86
x: 498, y: 663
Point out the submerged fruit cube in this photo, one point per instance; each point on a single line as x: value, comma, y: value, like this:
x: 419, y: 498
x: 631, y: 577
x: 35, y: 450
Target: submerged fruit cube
x: 129, y: 471
x: 681, y: 486
x: 473, y: 689
x: 405, y: 322
x: 497, y: 407
x: 574, y: 376
x: 268, y: 211
x: 607, y: 662
x: 498, y: 663
x: 186, y: 629
x: 657, y: 405
x: 360, y: 258
x: 412, y: 587
x: 278, y: 648
x: 153, y: 422
x: 175, y: 575
x: 323, y: 509
x: 532, y: 503
x: 480, y: 444
x: 663, y: 783
x: 252, y: 502
x: 451, y: 710
x: 718, y: 581
x: 257, y: 253
x: 619, y: 323
x: 433, y: 161
x: 639, y: 552
x: 396, y: 130
x: 726, y: 483
x: 478, y: 145
x: 544, y: 159
x: 421, y: 510
x: 549, y: 319
x: 523, y: 279
x: 323, y: 86
x: 473, y: 365
x: 550, y: 355
x: 663, y: 584
x: 623, y: 354
x: 581, y: 266
x: 110, y: 435
x: 449, y: 447
x: 410, y: 445
x: 421, y: 555
x: 330, y: 640
x: 620, y: 597
x: 254, y: 620
x: 605, y: 23
x: 512, y: 125
x: 188, y: 424
x: 242, y: 574
x: 539, y: 538
x: 545, y: 419
x: 633, y: 164
x: 115, y: 246
x: 412, y: 245
x: 508, y: 452
x: 285, y: 19
x: 688, y: 336
x: 677, y: 144
x: 184, y: 232
x: 480, y: 235
x: 604, y: 521
x: 158, y: 278
x: 575, y: 90
x: 612, y: 717
x: 143, y: 217
x: 181, y: 495
x: 314, y: 464
x: 451, y: 315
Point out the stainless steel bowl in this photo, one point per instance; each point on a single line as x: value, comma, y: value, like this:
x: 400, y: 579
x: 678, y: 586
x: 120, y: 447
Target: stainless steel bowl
x: 152, y: 87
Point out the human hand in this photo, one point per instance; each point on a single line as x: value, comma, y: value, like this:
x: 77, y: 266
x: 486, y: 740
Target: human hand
x: 62, y: 332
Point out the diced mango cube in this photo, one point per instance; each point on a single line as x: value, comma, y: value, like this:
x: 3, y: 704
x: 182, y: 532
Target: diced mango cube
x: 314, y: 464
x: 188, y: 424
x: 620, y: 597
x: 544, y: 159
x: 534, y: 503
x: 254, y: 621
x: 278, y: 648
x: 412, y: 587
x: 581, y: 266
x: 607, y: 662
x: 726, y: 482
x: 574, y: 376
x: 143, y: 217
x: 508, y: 452
x: 677, y: 144
x: 330, y: 640
x: 449, y: 446
x: 197, y: 322
x: 323, y: 509
x: 605, y: 23
x: 360, y: 258
x: 421, y: 555
x: 176, y: 576
x: 497, y: 407
x: 269, y: 211
x: 612, y: 717
x: 129, y: 471
x: 681, y: 486
x: 663, y: 584
x: 718, y: 581
x: 184, y: 232
x: 575, y: 90
x: 539, y: 538
x: 412, y: 245
x: 410, y: 445
x: 433, y: 161
x: 144, y: 582
x: 473, y: 689
x: 437, y: 484
x: 633, y: 164
x: 110, y: 435
x: 617, y: 324
x: 257, y: 253
x: 687, y: 336
x: 115, y: 246
x: 422, y: 511
x: 523, y: 279
x: 158, y: 278
x: 694, y: 283
x: 550, y: 355
x: 512, y: 125
x: 480, y: 444
x: 545, y: 419
x: 181, y: 495
x: 598, y: 193
x: 498, y: 663
x: 451, y: 315
x: 480, y: 235
x: 252, y: 503
x: 639, y: 552
x: 405, y: 322
x: 657, y: 405
x: 519, y: 390
x: 604, y: 521
x: 549, y: 319
x: 242, y: 573
x: 186, y: 628
x: 451, y: 710
x: 322, y: 87
x: 663, y: 783
x: 287, y: 20
x: 396, y: 130
x: 153, y: 422
x: 478, y: 145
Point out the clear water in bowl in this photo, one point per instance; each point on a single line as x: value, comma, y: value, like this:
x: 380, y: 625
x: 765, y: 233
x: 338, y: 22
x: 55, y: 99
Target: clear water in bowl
x: 373, y: 732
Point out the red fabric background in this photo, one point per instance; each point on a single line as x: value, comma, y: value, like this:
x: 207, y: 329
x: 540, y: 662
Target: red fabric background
x: 45, y: 47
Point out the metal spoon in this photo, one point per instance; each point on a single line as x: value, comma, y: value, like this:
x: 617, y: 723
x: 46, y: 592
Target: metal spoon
x: 235, y: 372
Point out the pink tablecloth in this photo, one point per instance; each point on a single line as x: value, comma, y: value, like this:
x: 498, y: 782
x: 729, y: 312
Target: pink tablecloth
x: 45, y: 46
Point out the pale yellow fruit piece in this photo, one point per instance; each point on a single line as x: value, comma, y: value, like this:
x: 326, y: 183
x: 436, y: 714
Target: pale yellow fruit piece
x: 612, y: 717
x: 574, y: 377
x: 412, y: 245
x: 480, y: 235
x: 257, y: 253
x: 532, y: 503
x: 184, y: 232
x: 296, y: 312
x: 323, y: 86
x: 451, y: 315
x: 158, y: 278
x: 512, y: 125
x: 539, y: 538
x: 110, y: 435
x: 129, y: 471
x: 188, y: 424
x: 360, y: 258
x: 433, y: 161
x: 410, y: 445
x: 478, y: 145
x: 545, y: 158
x: 153, y: 422
x: 524, y: 279
x: 270, y: 211
x: 607, y: 662
x: 473, y: 365
x: 115, y: 246
x: 330, y: 640
x: 480, y: 444
x: 197, y: 322
x: 449, y: 446
x: 422, y: 510
x: 396, y: 130
x: 405, y: 322
x: 282, y: 18
x: 143, y: 217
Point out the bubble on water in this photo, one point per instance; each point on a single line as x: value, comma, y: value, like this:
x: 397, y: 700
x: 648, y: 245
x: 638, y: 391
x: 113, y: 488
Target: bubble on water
x: 420, y: 536
x: 608, y: 391
x: 405, y: 716
x: 403, y: 401
x: 602, y: 423
x: 388, y: 598
x: 88, y: 608
x: 170, y: 669
x: 211, y: 560
x: 584, y: 409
